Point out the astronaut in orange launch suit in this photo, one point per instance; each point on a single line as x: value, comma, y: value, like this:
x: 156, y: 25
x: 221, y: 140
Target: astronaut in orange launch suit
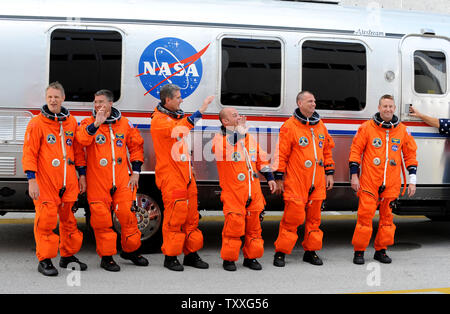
x: 107, y: 136
x: 377, y: 148
x: 50, y: 155
x: 304, y: 159
x: 175, y: 178
x: 238, y: 158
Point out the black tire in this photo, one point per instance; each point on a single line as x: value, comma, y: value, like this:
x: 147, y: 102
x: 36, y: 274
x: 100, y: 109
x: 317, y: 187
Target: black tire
x: 149, y: 214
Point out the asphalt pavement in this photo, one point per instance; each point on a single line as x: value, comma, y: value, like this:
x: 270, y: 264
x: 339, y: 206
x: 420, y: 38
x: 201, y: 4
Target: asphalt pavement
x: 421, y: 263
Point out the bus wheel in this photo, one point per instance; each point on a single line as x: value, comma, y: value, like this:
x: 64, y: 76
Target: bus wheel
x: 149, y: 219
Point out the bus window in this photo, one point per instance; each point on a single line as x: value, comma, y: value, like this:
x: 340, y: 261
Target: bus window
x: 251, y: 72
x: 85, y: 61
x: 336, y: 73
x: 430, y: 72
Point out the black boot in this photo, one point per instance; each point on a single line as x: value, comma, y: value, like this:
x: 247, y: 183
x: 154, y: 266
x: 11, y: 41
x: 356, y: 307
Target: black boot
x: 65, y: 261
x: 109, y: 264
x: 46, y: 268
x: 252, y: 264
x: 312, y: 258
x: 137, y: 259
x: 192, y: 259
x: 229, y: 266
x: 278, y: 259
x: 358, y: 258
x: 172, y: 263
x: 382, y: 257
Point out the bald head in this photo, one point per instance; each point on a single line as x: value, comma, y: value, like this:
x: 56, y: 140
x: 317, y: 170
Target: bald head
x: 229, y: 117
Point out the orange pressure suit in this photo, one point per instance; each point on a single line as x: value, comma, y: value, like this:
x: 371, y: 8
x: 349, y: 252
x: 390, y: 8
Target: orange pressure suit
x: 174, y: 177
x: 238, y: 158
x: 107, y: 179
x: 382, y: 145
x: 304, y: 156
x: 50, y: 154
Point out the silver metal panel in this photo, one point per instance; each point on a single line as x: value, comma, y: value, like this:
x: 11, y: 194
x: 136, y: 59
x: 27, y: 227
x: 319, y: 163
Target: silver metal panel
x: 264, y: 13
x: 7, y: 166
x: 13, y: 124
x: 6, y: 129
x: 434, y: 161
x: 21, y: 127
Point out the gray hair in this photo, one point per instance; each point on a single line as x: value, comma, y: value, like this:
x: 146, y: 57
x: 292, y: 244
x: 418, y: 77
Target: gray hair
x: 167, y: 91
x: 56, y: 85
x: 300, y: 95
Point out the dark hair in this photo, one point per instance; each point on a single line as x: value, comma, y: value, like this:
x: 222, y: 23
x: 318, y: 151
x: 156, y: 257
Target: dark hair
x: 167, y: 91
x: 107, y: 93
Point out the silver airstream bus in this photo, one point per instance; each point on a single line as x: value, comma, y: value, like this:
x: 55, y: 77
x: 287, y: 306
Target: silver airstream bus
x: 253, y: 55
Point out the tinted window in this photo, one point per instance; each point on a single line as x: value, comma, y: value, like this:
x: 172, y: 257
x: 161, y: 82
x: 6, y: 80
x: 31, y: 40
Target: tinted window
x: 251, y: 72
x: 336, y: 73
x: 85, y: 62
x: 430, y: 72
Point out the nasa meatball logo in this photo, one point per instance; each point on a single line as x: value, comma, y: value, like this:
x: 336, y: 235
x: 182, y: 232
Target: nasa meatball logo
x: 171, y: 61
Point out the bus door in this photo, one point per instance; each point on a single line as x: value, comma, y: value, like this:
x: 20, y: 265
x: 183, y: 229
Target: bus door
x: 424, y: 75
x: 425, y: 84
